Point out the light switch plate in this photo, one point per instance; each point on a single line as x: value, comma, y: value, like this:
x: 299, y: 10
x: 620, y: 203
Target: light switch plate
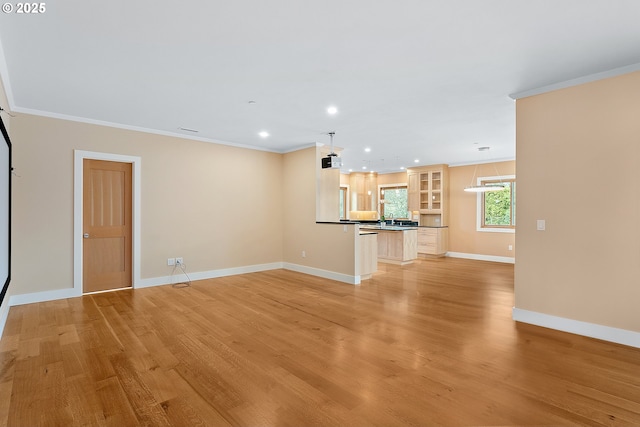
x: 540, y: 225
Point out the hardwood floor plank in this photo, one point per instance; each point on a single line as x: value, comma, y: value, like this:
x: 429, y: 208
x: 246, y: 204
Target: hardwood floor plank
x: 189, y: 407
x: 115, y: 409
x: 430, y: 343
x: 146, y: 408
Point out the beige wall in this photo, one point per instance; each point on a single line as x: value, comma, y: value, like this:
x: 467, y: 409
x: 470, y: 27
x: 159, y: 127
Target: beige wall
x: 327, y: 246
x: 216, y: 206
x: 463, y: 234
x: 578, y: 157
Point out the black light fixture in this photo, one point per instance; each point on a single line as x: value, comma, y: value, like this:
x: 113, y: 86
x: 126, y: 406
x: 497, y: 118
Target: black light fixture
x: 332, y: 161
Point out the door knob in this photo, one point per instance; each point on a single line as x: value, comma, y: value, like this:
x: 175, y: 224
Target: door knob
x: 85, y: 235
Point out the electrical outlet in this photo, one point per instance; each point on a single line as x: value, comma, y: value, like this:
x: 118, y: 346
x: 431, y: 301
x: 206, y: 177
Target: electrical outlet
x: 510, y: 247
x: 171, y: 261
x: 179, y: 260
x: 304, y: 254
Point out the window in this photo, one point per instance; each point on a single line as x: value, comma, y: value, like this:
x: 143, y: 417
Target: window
x: 497, y: 209
x: 393, y: 201
x: 343, y: 202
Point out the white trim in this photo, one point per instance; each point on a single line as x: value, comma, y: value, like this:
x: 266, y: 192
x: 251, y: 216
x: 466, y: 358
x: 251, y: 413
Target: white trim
x: 475, y: 162
x: 136, y: 162
x: 4, y: 314
x: 179, y: 276
x: 340, y: 277
x: 577, y: 81
x: 479, y: 226
x: 156, y: 131
x: 287, y: 150
x: 592, y: 330
x: 44, y: 296
x: 480, y: 257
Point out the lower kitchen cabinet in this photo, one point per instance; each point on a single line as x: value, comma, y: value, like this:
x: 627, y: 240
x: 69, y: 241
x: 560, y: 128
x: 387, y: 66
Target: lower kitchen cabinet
x: 368, y: 255
x: 433, y: 241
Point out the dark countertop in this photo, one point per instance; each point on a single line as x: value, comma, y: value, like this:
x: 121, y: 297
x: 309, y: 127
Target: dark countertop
x: 376, y: 225
x: 337, y: 222
x: 387, y: 227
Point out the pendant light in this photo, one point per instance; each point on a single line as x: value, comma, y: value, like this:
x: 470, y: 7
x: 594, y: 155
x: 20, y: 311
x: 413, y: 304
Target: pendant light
x: 483, y: 188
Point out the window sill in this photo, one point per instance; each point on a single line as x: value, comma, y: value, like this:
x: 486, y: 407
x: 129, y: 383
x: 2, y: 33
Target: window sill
x: 496, y: 230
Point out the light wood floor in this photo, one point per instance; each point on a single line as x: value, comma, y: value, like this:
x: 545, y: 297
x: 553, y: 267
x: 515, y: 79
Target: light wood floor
x: 426, y: 344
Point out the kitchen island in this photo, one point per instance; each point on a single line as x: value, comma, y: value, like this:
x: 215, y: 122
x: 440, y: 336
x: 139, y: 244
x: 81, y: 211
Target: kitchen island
x: 396, y: 244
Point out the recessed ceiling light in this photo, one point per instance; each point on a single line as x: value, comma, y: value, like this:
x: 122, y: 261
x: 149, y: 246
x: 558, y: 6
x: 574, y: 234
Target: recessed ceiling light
x: 367, y: 150
x: 364, y: 168
x: 401, y: 168
x: 264, y: 134
x: 332, y: 110
x: 350, y: 170
x: 416, y: 161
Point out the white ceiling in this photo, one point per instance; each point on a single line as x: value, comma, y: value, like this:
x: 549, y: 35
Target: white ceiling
x: 412, y: 79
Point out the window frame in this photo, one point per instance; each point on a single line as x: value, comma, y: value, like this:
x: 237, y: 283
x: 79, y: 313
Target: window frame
x: 391, y: 186
x: 345, y: 201
x: 480, y: 206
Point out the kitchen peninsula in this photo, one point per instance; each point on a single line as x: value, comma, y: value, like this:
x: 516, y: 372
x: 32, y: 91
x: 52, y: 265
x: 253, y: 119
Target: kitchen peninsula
x: 396, y: 244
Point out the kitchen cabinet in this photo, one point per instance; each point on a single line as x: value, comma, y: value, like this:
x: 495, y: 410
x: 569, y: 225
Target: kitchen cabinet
x: 433, y: 241
x: 397, y: 247
x: 429, y: 186
x: 368, y: 255
x: 364, y: 191
x: 413, y: 191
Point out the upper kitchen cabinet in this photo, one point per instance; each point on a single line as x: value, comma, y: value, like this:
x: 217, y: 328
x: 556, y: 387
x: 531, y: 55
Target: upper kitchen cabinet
x: 364, y: 191
x: 413, y: 190
x: 428, y: 191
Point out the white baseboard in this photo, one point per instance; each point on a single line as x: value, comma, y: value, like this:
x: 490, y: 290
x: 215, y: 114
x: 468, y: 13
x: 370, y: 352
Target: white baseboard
x: 4, y: 313
x: 592, y: 330
x: 179, y: 276
x: 44, y: 296
x: 340, y: 277
x: 480, y: 257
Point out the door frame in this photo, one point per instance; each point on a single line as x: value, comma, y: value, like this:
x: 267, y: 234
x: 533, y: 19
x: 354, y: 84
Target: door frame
x: 78, y: 185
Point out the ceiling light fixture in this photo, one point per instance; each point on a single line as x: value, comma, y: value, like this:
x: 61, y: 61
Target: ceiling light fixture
x: 332, y: 110
x: 332, y: 161
x: 483, y: 188
x: 416, y: 161
x: 367, y: 150
x: 264, y: 134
